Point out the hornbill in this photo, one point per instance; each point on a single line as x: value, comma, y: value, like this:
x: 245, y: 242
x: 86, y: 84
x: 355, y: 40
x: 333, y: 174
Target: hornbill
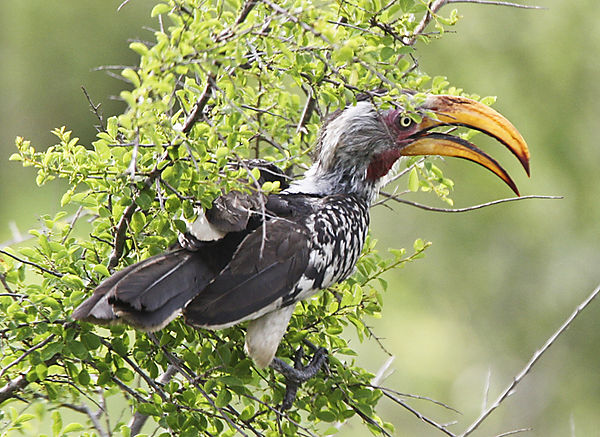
x: 252, y: 257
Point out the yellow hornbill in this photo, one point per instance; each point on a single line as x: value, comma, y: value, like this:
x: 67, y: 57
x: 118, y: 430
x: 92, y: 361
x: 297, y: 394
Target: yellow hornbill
x: 253, y: 257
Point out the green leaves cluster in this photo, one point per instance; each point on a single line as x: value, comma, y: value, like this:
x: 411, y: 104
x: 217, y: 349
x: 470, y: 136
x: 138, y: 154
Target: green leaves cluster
x: 220, y: 82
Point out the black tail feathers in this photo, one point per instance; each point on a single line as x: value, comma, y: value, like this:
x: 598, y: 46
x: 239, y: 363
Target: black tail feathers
x: 149, y: 294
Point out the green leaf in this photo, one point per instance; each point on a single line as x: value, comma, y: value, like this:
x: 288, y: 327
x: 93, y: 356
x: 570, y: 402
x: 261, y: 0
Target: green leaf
x: 413, y: 180
x: 77, y: 349
x: 124, y: 374
x: 73, y: 427
x: 56, y: 423
x: 102, y: 270
x: 223, y: 398
x: 139, y: 48
x: 72, y: 281
x: 138, y: 220
x: 160, y: 9
x: 326, y: 416
x: 418, y: 245
x: 148, y: 409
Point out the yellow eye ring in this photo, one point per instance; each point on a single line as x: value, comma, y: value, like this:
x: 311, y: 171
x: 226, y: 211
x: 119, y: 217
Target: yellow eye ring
x: 404, y: 121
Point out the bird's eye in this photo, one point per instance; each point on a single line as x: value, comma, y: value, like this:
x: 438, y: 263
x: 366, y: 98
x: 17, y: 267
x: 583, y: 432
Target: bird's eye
x: 404, y: 121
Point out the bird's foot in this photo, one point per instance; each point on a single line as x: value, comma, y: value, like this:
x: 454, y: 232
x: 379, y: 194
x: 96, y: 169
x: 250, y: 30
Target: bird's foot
x: 295, y: 376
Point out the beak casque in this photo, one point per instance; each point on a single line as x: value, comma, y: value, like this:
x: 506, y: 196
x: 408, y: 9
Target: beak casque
x: 460, y: 111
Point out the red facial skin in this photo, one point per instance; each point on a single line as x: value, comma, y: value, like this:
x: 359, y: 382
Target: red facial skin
x: 382, y: 162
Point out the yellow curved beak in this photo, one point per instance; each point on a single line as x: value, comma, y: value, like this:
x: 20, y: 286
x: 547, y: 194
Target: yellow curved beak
x: 460, y: 111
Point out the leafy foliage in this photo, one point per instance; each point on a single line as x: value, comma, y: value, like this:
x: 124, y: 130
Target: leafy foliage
x: 222, y: 81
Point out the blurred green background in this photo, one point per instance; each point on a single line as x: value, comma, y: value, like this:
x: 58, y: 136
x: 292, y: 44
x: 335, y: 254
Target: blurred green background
x: 496, y: 282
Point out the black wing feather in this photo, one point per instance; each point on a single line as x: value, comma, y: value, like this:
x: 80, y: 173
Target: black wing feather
x: 251, y: 282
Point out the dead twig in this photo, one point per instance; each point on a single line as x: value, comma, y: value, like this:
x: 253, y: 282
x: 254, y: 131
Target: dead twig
x: 455, y: 210
x: 95, y: 109
x: 497, y: 3
x: 532, y: 361
x: 442, y: 427
x: 514, y: 431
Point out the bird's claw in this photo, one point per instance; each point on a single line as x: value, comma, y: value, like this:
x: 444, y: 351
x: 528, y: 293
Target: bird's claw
x: 295, y: 376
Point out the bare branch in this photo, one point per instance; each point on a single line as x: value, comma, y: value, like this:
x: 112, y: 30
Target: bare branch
x: 515, y: 431
x: 535, y: 357
x: 469, y: 208
x: 497, y: 3
x: 95, y: 109
x: 419, y: 397
x: 441, y: 427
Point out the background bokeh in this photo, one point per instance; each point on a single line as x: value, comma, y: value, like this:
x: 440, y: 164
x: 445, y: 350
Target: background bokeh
x: 496, y: 282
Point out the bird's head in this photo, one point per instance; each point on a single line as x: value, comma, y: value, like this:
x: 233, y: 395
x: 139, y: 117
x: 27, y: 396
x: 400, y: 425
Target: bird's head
x: 359, y: 145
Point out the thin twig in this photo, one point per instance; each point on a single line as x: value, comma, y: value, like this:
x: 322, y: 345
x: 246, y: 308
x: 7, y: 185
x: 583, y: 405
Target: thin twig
x: 434, y: 6
x: 30, y: 263
x: 6, y: 286
x: 424, y: 418
x: 122, y: 4
x: 535, y: 357
x: 72, y: 224
x: 26, y: 354
x: 95, y: 109
x: 93, y: 416
x: 497, y: 3
x: 139, y: 371
x: 132, y: 167
x: 419, y: 397
x: 469, y: 208
x: 486, y: 390
x: 514, y: 431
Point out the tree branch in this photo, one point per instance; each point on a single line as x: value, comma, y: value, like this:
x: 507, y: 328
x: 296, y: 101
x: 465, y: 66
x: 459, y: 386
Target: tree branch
x: 95, y: 109
x: 497, y: 3
x: 93, y: 416
x: 196, y: 111
x: 120, y: 233
x: 26, y: 353
x: 189, y: 375
x: 455, y: 210
x: 138, y: 420
x: 434, y: 6
x: 441, y: 427
x: 534, y: 359
x: 30, y: 263
x: 14, y: 385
